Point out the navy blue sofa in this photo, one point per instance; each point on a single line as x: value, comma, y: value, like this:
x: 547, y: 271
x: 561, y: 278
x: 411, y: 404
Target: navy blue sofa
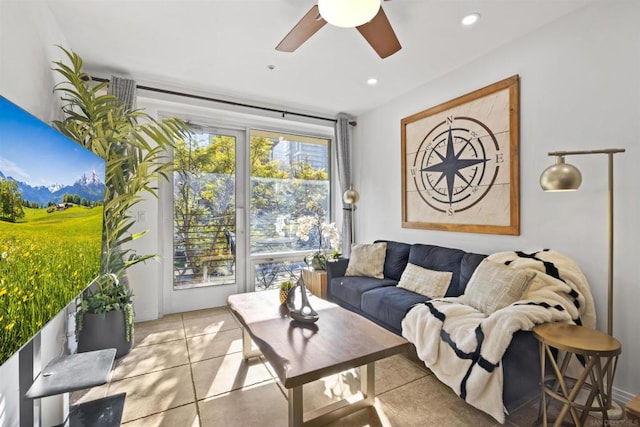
x: 385, y: 304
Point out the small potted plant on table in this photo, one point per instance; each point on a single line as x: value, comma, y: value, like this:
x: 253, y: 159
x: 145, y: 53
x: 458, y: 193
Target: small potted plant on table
x: 285, y: 287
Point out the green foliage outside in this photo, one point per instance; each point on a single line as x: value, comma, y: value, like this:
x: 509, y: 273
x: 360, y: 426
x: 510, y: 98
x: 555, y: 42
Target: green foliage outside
x: 37, y: 254
x: 204, y: 192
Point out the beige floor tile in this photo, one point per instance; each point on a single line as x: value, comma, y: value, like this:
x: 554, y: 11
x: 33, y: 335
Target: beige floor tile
x: 227, y: 373
x: 369, y: 417
x: 155, y: 332
x: 203, y: 347
x: 204, y: 312
x: 171, y: 317
x: 395, y: 371
x: 428, y: 402
x: 81, y: 396
x: 221, y: 321
x: 528, y: 413
x: 154, y: 392
x: 262, y: 405
x: 183, y: 416
x: 151, y: 358
x: 167, y: 318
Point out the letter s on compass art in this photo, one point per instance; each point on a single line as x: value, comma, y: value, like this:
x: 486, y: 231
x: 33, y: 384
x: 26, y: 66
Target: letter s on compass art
x: 460, y: 165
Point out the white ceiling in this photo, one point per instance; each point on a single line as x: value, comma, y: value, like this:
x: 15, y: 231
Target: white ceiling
x: 224, y: 47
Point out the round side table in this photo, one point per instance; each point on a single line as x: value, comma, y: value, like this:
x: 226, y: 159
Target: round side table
x: 598, y: 354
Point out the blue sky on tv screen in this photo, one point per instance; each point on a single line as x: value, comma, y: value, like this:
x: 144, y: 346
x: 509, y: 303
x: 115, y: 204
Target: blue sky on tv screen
x: 35, y: 153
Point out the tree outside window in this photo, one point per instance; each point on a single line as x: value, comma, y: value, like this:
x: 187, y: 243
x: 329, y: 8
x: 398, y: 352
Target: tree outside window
x: 288, y: 180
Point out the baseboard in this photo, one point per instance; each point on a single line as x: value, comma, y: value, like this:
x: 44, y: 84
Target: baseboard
x: 622, y: 396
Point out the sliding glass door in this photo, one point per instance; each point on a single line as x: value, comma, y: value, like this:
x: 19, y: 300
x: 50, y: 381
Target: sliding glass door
x: 239, y: 197
x: 206, y: 202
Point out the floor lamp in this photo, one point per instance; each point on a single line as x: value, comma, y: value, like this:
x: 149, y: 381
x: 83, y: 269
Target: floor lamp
x: 564, y: 177
x: 351, y: 197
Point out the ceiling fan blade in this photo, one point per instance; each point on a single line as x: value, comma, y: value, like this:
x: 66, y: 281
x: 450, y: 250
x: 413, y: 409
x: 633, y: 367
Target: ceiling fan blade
x: 380, y: 35
x: 305, y: 28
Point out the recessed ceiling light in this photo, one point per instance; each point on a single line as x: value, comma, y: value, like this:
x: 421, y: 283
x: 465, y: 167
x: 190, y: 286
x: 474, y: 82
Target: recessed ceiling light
x: 470, y: 19
x: 372, y: 81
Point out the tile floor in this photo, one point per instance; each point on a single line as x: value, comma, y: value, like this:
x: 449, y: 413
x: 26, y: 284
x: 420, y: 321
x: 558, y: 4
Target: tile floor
x: 187, y: 370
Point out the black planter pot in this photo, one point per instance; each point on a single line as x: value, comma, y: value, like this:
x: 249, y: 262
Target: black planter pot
x: 104, y: 331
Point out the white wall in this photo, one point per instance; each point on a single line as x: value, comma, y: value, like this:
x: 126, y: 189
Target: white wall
x: 579, y: 89
x: 28, y: 38
x: 28, y: 35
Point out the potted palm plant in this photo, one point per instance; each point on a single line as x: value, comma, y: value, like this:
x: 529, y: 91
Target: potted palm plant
x: 134, y: 146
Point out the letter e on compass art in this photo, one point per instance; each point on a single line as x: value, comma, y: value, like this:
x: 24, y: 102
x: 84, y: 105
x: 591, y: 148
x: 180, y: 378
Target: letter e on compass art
x: 460, y: 163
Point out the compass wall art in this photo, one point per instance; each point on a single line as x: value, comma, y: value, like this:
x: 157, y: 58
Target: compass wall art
x: 460, y: 163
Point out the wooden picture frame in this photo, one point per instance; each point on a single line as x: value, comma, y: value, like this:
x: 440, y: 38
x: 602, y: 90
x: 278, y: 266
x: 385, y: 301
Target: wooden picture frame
x: 460, y: 163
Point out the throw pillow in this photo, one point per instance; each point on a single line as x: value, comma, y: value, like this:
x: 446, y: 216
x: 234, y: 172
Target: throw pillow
x: 430, y: 283
x: 367, y: 260
x: 494, y: 285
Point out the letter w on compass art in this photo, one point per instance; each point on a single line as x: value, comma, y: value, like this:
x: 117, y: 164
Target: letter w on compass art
x: 460, y: 163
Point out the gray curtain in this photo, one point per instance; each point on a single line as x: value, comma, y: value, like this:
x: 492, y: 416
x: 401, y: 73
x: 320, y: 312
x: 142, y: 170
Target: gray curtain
x: 125, y: 89
x: 343, y: 157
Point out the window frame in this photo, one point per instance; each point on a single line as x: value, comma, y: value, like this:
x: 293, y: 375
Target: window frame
x: 211, y: 121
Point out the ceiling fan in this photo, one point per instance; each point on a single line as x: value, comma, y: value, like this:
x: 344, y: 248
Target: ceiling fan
x: 371, y: 22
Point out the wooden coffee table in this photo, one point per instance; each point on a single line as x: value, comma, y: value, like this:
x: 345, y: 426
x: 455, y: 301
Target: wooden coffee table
x: 302, y: 353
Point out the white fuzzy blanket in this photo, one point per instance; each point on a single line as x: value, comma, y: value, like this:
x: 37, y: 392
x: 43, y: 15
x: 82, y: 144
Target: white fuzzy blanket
x: 464, y: 350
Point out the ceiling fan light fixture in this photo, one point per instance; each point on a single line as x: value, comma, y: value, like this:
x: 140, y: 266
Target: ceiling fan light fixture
x: 470, y: 19
x: 348, y: 13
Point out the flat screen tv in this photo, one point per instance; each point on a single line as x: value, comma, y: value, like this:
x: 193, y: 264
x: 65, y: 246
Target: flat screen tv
x: 51, y: 205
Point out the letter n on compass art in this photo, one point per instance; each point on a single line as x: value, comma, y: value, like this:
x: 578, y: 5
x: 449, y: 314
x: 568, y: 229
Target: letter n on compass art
x: 460, y: 163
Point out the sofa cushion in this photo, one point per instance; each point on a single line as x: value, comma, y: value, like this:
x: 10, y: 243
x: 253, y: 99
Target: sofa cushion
x: 494, y: 286
x: 396, y: 258
x: 350, y: 289
x: 439, y: 259
x: 468, y: 265
x: 430, y: 283
x: 367, y: 259
x: 390, y: 304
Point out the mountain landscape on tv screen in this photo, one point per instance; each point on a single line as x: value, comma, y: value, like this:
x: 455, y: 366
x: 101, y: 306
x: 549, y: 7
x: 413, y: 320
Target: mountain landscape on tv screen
x: 51, y: 224
x: 86, y: 187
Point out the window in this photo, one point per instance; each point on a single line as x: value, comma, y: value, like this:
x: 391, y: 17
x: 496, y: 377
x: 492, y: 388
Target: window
x: 288, y: 180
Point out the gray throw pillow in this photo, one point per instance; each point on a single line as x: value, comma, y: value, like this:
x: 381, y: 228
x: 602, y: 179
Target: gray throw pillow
x: 430, y: 283
x: 367, y: 260
x: 494, y: 285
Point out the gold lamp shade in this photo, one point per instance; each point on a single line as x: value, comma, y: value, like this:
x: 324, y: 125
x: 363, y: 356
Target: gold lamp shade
x: 560, y: 177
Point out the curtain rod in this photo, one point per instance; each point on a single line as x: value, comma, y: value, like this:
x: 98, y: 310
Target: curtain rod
x: 224, y: 101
